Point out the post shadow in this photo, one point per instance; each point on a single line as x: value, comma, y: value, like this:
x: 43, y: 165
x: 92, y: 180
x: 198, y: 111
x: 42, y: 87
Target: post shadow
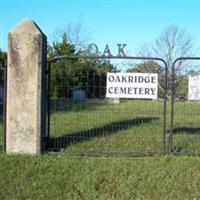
x: 64, y: 141
x: 187, y: 130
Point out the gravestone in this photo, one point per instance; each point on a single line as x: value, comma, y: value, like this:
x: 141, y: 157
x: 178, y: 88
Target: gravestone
x: 79, y: 94
x: 114, y: 100
x: 25, y: 104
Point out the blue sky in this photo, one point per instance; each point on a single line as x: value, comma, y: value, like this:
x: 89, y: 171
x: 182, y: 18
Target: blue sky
x: 107, y: 22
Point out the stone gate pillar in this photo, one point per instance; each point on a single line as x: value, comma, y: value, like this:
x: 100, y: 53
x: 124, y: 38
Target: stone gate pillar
x: 26, y: 107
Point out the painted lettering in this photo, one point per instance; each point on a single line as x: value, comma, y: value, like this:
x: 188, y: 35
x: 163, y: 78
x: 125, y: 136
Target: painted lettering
x: 107, y: 52
x: 121, y: 50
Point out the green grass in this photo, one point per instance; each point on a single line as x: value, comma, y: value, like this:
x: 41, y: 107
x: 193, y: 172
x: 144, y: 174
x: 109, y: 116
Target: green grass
x: 187, y: 127
x: 76, y: 178
x: 58, y: 176
x: 131, y: 126
x: 126, y: 127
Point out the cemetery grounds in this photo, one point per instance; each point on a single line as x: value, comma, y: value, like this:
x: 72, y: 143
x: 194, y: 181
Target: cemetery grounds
x: 58, y: 175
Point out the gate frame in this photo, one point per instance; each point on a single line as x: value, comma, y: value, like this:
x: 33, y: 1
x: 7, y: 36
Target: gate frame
x: 63, y: 57
x: 4, y: 104
x: 173, y: 99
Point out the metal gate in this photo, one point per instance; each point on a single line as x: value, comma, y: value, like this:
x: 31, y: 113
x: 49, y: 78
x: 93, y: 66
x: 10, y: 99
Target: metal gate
x: 81, y: 121
x: 94, y: 125
x: 185, y: 115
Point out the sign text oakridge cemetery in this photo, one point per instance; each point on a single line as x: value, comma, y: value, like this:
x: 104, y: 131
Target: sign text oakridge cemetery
x: 127, y: 85
x: 132, y: 85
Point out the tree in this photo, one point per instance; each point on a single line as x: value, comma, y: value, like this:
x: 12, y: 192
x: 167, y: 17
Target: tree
x: 76, y: 73
x: 60, y: 71
x: 174, y: 42
x: 76, y: 33
x: 146, y: 67
x: 182, y: 88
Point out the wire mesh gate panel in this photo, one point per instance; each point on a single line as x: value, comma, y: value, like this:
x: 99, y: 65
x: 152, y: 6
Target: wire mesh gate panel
x: 185, y: 115
x: 83, y: 121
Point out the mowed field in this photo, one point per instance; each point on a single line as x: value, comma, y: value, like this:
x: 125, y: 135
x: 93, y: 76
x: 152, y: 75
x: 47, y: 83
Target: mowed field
x: 98, y: 126
x: 130, y: 126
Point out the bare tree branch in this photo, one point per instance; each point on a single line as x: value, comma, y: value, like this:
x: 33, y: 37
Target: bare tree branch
x: 171, y: 44
x: 76, y: 33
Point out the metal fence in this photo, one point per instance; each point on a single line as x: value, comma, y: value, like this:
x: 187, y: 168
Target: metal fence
x: 185, y: 115
x: 82, y: 121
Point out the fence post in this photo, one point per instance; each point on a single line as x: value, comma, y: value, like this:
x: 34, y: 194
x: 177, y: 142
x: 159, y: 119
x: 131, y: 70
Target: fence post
x: 26, y: 93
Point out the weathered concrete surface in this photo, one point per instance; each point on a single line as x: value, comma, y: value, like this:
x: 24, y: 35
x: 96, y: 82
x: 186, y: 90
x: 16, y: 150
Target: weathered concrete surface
x: 25, y: 110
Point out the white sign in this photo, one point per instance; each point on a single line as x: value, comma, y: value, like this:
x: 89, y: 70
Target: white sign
x: 194, y: 87
x: 132, y: 85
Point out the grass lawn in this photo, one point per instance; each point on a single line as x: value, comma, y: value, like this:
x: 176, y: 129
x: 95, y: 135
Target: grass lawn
x: 97, y: 126
x: 58, y: 176
x: 74, y: 178
x: 131, y: 126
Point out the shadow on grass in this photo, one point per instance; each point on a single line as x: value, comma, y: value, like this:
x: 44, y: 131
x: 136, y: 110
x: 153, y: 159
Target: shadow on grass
x: 59, y: 143
x: 185, y: 146
x: 1, y: 148
x: 187, y: 130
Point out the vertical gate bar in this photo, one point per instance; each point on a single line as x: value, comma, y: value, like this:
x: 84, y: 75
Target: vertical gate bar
x: 94, y: 85
x: 164, y: 108
x: 49, y: 101
x: 4, y: 106
x: 87, y: 78
x: 172, y: 109
x: 100, y: 76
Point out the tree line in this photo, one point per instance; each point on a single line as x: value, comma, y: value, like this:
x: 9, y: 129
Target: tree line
x: 89, y: 75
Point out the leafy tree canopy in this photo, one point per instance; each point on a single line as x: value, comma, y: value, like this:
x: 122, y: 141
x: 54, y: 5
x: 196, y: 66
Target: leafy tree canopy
x: 74, y: 73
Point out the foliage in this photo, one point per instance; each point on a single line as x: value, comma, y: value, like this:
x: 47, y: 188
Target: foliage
x: 182, y: 87
x: 146, y: 67
x: 74, y: 73
x: 59, y: 71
